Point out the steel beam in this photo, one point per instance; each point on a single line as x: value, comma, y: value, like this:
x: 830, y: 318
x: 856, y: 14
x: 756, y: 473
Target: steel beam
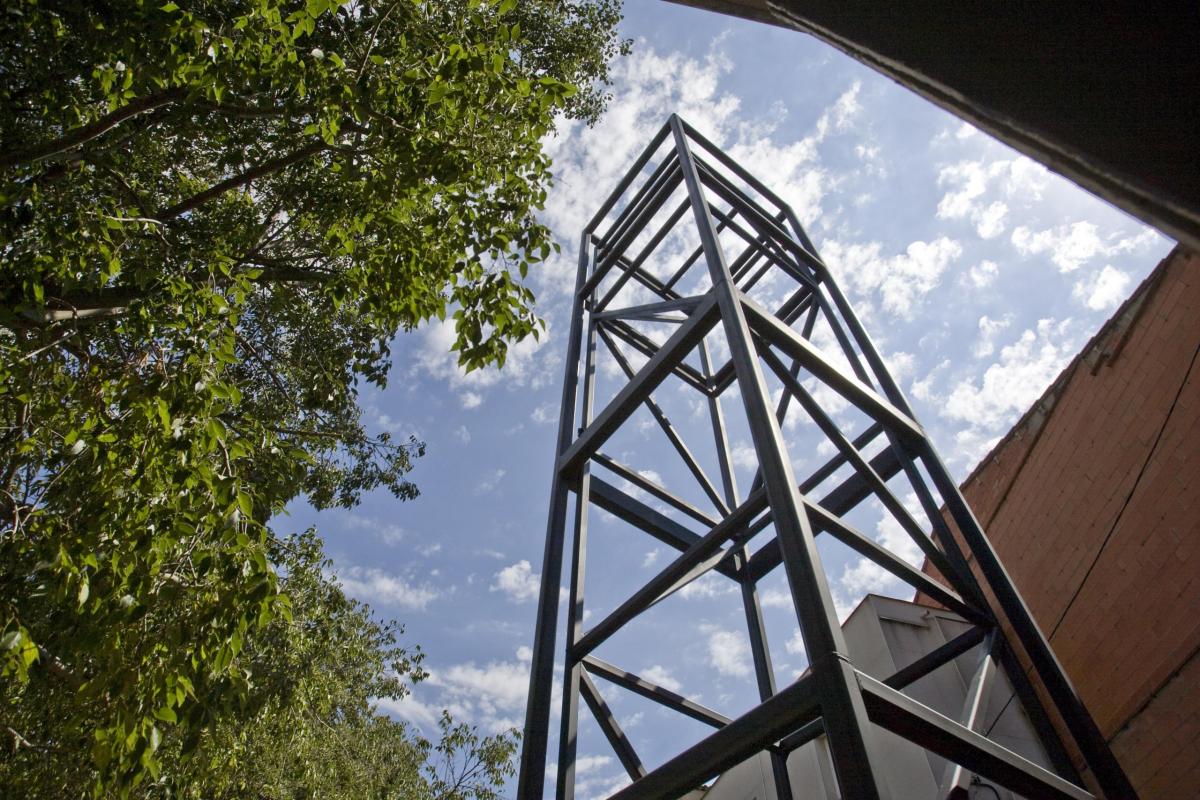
x: 650, y: 487
x: 937, y: 658
x: 653, y: 311
x: 651, y: 691
x: 753, y: 732
x: 1050, y: 672
x: 824, y: 370
x: 851, y: 740
x: 840, y: 501
x: 611, y: 728
x: 844, y: 446
x: 532, y: 770
x: 661, y: 418
x: 955, y: 783
x: 663, y: 230
x: 904, y: 716
x: 645, y: 518
x: 569, y: 729
x: 622, y: 185
x: 669, y: 579
x: 647, y: 347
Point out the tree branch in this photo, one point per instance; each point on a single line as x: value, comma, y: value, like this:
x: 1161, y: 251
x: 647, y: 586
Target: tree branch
x: 58, y: 669
x: 239, y: 180
x: 20, y: 741
x: 266, y: 365
x: 114, y: 300
x: 285, y: 274
x: 85, y: 134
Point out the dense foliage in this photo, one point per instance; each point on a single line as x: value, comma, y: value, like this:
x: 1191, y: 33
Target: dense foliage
x: 214, y: 217
x: 305, y: 724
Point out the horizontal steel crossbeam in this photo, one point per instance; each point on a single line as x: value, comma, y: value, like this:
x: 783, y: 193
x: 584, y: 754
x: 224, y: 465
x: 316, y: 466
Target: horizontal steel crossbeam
x: 636, y: 513
x: 750, y: 733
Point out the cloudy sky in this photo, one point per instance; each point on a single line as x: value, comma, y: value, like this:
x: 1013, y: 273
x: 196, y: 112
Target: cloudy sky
x: 978, y: 274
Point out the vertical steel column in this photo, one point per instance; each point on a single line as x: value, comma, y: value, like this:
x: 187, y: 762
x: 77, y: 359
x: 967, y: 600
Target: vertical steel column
x: 574, y: 670
x: 532, y: 776
x: 846, y: 724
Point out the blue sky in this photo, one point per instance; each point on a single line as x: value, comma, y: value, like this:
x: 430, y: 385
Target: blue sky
x: 978, y: 274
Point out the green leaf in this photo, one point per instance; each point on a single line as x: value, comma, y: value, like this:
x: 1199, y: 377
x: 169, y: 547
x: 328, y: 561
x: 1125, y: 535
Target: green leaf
x: 164, y: 413
x: 101, y: 752
x: 245, y: 504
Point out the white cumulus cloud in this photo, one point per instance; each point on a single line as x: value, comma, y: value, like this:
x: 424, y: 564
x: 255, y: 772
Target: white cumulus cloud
x: 982, y: 275
x: 898, y: 281
x: 710, y: 584
x: 971, y: 183
x: 1073, y: 245
x: 377, y: 587
x: 522, y: 366
x: 489, y: 482
x: 1011, y: 384
x: 518, y: 581
x: 492, y: 695
x: 989, y: 329
x: 728, y: 651
x: 1104, y: 290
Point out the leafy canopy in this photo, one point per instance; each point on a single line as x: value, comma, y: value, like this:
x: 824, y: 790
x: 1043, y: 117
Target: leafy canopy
x: 214, y: 218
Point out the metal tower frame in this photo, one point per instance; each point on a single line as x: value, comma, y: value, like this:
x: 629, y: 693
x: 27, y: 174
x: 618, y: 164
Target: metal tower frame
x: 832, y: 698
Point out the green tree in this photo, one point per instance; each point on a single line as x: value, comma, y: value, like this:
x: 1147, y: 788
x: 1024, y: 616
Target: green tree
x: 214, y: 218
x: 307, y: 726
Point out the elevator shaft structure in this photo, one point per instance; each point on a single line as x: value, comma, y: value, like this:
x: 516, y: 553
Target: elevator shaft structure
x: 800, y: 342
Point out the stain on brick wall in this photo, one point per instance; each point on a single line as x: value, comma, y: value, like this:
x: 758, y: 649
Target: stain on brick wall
x: 1093, y: 505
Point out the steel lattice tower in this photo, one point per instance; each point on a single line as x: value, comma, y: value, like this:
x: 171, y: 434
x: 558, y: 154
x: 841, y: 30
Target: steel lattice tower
x: 746, y: 234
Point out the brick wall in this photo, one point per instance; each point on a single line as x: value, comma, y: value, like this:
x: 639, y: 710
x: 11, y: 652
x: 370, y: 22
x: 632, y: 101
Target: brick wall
x: 1093, y: 504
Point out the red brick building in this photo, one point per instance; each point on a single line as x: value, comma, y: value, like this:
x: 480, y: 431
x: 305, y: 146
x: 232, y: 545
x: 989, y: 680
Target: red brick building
x: 1093, y: 504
